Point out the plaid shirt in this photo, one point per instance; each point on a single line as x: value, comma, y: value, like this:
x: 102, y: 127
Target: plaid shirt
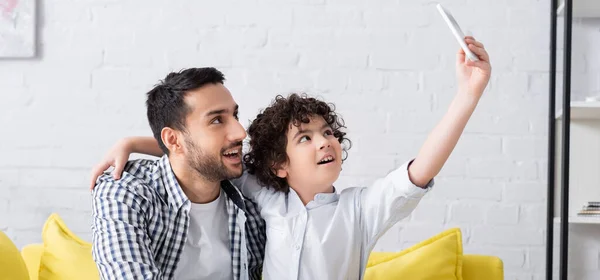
x: 140, y: 224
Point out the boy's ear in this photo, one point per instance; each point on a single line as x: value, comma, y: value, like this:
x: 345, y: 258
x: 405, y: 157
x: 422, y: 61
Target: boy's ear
x: 280, y: 171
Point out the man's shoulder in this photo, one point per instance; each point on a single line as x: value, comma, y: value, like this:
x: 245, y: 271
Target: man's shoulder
x: 136, y: 181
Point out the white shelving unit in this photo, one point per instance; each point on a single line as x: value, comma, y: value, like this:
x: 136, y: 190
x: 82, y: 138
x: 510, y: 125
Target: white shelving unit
x: 580, y: 220
x: 583, y: 147
x: 581, y: 8
x: 581, y: 110
x: 584, y: 167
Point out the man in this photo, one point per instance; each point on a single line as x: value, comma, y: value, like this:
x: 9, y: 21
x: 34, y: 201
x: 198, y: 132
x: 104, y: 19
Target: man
x: 180, y: 217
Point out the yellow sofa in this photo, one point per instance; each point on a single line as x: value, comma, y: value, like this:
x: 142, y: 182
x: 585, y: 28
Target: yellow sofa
x: 475, y: 267
x: 64, y: 256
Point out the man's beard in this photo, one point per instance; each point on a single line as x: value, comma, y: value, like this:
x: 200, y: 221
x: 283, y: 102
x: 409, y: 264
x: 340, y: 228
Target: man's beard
x: 208, y: 166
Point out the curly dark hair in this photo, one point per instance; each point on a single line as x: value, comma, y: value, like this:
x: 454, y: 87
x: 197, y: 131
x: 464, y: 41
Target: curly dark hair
x: 268, y: 135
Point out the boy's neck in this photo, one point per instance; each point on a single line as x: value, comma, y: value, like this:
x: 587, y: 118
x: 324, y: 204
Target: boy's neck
x: 308, y: 194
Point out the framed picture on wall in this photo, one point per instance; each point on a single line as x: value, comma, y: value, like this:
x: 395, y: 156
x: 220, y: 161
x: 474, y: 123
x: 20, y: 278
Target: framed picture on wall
x: 17, y: 28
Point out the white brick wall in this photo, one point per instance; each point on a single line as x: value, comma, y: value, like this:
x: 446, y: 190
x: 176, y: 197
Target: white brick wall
x: 387, y: 64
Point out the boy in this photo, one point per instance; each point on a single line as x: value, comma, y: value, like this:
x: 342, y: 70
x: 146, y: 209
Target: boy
x: 295, y: 157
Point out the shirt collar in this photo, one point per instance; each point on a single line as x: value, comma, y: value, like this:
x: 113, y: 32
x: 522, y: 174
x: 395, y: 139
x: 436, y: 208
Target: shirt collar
x: 323, y: 199
x: 176, y: 196
x: 295, y: 204
x: 234, y: 194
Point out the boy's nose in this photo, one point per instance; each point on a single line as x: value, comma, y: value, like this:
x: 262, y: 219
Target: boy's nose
x: 324, y: 143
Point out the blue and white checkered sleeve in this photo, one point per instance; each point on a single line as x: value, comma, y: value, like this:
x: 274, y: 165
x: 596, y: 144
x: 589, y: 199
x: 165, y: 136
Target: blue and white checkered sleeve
x: 121, y: 248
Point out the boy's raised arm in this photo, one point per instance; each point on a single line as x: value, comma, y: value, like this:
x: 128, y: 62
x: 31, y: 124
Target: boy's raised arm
x: 472, y: 78
x: 394, y: 197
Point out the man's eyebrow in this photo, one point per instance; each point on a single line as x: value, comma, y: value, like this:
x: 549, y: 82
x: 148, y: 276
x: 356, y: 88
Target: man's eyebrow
x: 222, y: 111
x: 217, y: 112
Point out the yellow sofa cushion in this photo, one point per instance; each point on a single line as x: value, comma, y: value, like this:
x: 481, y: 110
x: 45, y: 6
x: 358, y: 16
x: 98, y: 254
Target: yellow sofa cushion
x: 12, y: 266
x: 32, y: 254
x: 482, y: 267
x: 65, y: 256
x: 439, y: 257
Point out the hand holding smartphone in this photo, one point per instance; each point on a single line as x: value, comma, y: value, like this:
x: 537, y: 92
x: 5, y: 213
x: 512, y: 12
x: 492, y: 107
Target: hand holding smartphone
x: 458, y: 34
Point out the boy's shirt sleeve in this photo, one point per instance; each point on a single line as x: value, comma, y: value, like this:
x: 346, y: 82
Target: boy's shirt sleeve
x: 250, y: 188
x: 389, y: 200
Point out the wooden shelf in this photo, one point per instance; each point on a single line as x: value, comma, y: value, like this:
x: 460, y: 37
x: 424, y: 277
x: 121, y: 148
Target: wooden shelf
x: 581, y: 8
x: 581, y: 110
x: 580, y: 220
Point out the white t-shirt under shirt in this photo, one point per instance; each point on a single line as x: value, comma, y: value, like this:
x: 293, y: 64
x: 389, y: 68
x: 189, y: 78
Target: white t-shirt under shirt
x: 206, y: 253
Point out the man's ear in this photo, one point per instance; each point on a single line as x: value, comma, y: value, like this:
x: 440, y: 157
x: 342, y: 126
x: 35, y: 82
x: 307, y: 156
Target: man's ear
x: 172, y: 139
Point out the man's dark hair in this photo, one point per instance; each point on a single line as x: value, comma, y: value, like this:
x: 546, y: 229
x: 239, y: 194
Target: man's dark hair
x: 165, y: 104
x: 268, y: 135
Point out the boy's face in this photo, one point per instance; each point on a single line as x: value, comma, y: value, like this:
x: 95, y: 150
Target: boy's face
x: 315, y: 156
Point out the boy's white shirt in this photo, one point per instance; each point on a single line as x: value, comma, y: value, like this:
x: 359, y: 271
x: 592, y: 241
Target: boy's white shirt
x: 332, y: 236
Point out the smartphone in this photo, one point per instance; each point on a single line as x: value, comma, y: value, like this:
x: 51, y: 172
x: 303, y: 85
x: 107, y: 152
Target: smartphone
x: 458, y: 34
